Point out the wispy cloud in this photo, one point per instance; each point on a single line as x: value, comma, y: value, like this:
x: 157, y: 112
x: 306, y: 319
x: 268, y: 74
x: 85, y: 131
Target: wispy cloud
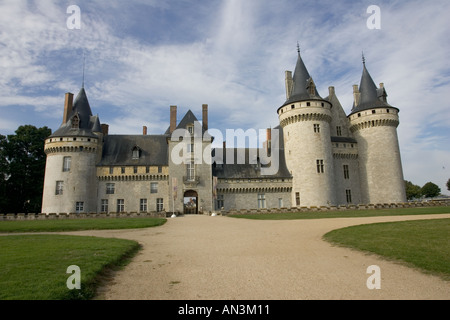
x: 143, y: 56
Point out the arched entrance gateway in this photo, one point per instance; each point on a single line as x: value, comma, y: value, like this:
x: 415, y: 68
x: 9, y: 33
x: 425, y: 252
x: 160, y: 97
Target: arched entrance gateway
x: 190, y: 202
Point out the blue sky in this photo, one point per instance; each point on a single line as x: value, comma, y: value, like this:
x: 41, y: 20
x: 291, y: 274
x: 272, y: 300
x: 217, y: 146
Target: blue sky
x: 143, y: 56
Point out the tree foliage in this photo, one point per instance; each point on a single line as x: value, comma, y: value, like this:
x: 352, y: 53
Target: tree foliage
x: 448, y: 185
x: 430, y: 190
x: 412, y: 191
x: 22, y: 169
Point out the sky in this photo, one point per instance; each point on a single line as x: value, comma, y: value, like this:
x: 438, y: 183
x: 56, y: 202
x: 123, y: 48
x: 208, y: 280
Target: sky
x: 141, y: 56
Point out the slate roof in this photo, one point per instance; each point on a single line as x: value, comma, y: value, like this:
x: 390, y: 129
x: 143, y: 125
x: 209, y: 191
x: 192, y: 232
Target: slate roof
x: 88, y: 123
x: 370, y: 97
x: 301, y: 82
x: 118, y: 150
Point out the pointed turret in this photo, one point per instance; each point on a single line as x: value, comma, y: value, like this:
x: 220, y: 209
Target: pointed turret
x: 303, y: 86
x: 80, y: 121
x: 370, y: 96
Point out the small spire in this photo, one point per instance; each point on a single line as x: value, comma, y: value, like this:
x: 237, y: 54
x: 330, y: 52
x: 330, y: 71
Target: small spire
x: 363, y: 58
x: 84, y: 63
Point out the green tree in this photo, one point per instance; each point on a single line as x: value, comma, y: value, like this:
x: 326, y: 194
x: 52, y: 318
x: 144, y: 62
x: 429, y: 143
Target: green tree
x: 412, y: 191
x: 22, y: 169
x: 430, y: 190
x: 448, y: 185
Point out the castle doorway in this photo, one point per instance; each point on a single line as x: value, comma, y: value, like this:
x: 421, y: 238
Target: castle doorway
x: 190, y: 202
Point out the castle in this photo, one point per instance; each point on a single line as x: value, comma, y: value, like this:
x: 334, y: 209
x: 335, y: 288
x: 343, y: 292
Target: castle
x: 317, y: 156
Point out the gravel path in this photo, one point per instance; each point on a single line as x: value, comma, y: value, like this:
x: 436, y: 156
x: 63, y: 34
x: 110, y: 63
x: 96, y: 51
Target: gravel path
x: 203, y: 257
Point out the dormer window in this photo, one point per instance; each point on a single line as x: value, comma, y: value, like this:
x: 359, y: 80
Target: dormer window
x: 76, y: 122
x: 190, y: 128
x: 136, y: 153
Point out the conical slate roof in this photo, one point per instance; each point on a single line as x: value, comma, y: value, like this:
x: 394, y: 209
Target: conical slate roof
x: 81, y: 122
x: 302, y: 81
x: 370, y: 95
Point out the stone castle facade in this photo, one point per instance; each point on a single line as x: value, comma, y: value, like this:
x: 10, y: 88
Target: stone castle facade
x: 317, y: 156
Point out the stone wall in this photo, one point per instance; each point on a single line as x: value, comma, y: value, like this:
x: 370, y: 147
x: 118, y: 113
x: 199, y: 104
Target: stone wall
x: 66, y: 216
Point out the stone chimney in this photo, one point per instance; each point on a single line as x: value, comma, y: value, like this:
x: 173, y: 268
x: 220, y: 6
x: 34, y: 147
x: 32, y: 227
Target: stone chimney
x: 68, y: 104
x: 331, y: 91
x: 105, y: 129
x: 173, y: 118
x: 356, y: 94
x: 205, y: 116
x: 289, y: 84
x: 144, y: 130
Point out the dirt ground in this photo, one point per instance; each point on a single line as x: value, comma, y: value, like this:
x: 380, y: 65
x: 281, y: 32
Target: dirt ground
x: 205, y: 257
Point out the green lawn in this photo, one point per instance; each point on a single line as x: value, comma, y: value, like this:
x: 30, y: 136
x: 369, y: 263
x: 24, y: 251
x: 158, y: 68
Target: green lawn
x: 423, y: 244
x: 33, y: 267
x: 79, y: 224
x: 344, y: 213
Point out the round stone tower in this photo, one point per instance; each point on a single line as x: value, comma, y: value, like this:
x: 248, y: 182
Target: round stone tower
x: 305, y: 118
x: 374, y: 124
x: 72, y: 154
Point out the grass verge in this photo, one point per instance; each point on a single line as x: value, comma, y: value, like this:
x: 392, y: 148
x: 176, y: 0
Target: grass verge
x: 345, y: 213
x: 78, y: 224
x: 423, y: 244
x: 33, y: 267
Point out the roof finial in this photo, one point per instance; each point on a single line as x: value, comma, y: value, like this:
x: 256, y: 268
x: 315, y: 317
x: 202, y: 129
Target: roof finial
x: 363, y: 58
x: 298, y: 47
x: 84, y: 62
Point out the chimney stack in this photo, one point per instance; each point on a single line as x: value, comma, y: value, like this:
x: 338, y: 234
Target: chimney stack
x: 105, y: 129
x: 68, y: 105
x: 205, y: 116
x: 331, y: 91
x: 173, y: 118
x: 356, y: 94
x: 144, y: 130
x: 268, y: 141
x: 289, y: 84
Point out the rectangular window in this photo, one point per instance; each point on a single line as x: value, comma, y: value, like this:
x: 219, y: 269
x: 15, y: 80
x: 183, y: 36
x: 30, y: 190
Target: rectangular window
x: 120, y: 205
x: 104, y: 205
x: 261, y: 200
x: 110, y: 188
x: 190, y: 129
x: 79, y: 207
x: 190, y: 148
x: 153, y: 187
x: 135, y: 169
x: 122, y: 170
x: 147, y: 169
x: 319, y: 166
x: 111, y: 170
x: 159, y: 169
x: 346, y: 173
x: 143, y: 205
x: 297, y: 198
x: 280, y: 202
x: 348, y: 195
x: 159, y: 204
x: 66, y: 164
x: 316, y: 128
x: 59, y: 187
x: 338, y: 131
x: 219, y: 202
x: 190, y: 167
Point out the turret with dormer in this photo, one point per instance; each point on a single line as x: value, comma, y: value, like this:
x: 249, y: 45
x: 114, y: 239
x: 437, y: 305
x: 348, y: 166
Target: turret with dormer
x: 305, y: 118
x: 373, y: 122
x: 73, y: 151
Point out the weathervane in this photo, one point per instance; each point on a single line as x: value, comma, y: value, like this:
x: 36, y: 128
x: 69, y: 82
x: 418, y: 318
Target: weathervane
x: 298, y: 47
x: 84, y: 62
x: 363, y: 58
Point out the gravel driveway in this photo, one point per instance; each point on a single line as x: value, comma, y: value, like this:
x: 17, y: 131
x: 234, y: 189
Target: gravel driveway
x: 204, y: 257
